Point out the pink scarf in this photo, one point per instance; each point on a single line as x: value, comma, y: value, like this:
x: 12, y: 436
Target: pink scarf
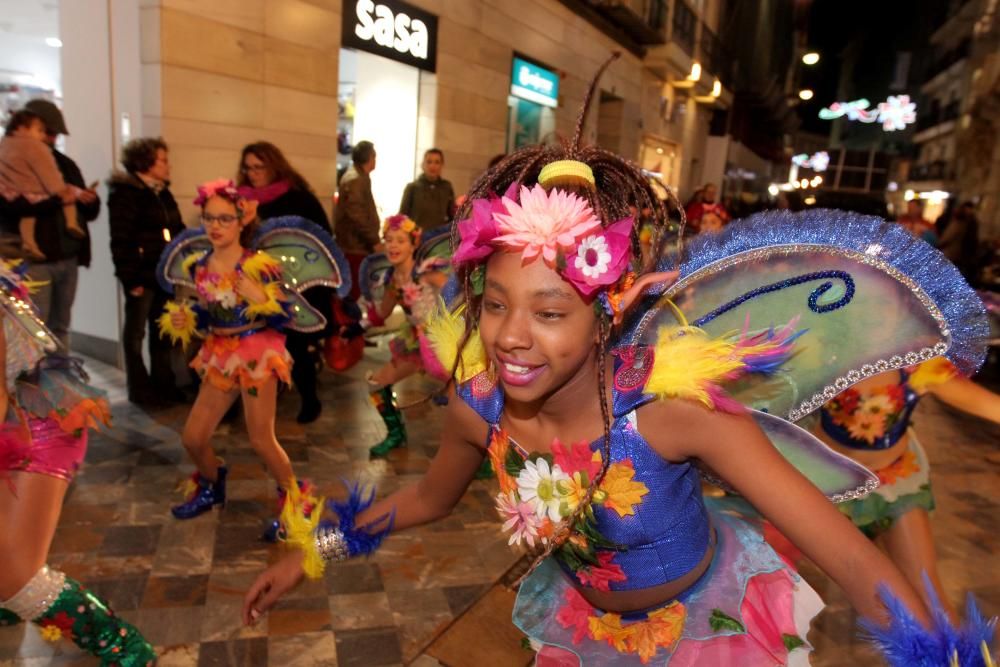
x: 266, y: 194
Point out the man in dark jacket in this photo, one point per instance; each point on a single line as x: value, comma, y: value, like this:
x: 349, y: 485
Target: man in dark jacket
x: 64, y: 254
x: 356, y: 223
x: 430, y: 200
x: 144, y: 217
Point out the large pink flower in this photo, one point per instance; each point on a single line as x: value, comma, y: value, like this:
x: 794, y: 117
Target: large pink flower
x: 600, y: 258
x: 545, y: 223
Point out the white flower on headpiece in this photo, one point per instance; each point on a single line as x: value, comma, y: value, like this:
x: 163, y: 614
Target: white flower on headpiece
x: 544, y: 223
x: 593, y: 256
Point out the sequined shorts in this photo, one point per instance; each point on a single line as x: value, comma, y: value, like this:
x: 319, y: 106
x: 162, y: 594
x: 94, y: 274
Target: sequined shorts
x: 42, y: 447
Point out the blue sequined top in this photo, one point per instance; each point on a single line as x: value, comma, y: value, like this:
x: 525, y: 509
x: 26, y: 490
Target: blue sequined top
x: 668, y: 533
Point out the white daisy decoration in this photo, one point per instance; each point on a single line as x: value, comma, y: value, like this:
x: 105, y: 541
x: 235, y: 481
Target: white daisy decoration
x: 538, y: 486
x: 593, y: 256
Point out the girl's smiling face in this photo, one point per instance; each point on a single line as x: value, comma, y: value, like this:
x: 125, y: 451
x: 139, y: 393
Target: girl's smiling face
x: 398, y: 246
x: 536, y: 328
x: 222, y: 222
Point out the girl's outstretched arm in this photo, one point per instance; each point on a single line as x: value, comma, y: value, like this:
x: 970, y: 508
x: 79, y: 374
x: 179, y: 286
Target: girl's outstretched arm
x: 735, y: 448
x: 433, y: 497
x: 963, y: 394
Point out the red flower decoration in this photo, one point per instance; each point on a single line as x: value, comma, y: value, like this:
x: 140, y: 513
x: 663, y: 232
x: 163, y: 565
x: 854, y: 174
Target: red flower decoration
x: 601, y: 577
x: 575, y: 458
x: 575, y: 613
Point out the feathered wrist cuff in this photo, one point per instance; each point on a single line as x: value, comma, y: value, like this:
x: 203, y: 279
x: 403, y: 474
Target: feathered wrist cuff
x: 183, y: 333
x: 326, y: 541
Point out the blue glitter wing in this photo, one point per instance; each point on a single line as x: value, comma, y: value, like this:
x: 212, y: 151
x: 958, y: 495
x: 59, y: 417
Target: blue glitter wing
x: 361, y: 540
x: 308, y: 253
x: 870, y: 296
x: 170, y: 268
x: 434, y: 244
x: 373, y: 276
x: 905, y: 642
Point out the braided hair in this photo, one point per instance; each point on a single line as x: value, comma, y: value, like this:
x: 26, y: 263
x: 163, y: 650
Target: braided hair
x: 618, y: 185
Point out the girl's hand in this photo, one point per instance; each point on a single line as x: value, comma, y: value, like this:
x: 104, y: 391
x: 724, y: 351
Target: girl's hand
x: 272, y: 583
x: 178, y: 319
x: 250, y: 289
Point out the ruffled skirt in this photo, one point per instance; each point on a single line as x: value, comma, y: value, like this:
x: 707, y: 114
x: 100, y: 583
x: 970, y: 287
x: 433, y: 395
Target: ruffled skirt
x: 748, y: 609
x: 229, y: 362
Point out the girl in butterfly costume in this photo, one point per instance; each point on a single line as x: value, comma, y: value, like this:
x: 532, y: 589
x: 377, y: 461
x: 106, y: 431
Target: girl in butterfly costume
x: 246, y: 284
x: 48, y: 410
x: 872, y: 423
x: 410, y: 273
x: 550, y: 350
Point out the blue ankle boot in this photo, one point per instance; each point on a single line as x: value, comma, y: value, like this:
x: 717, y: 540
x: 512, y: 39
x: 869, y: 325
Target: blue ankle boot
x: 206, y: 495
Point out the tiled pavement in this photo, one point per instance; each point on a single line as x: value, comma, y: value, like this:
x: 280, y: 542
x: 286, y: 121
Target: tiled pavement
x: 182, y: 582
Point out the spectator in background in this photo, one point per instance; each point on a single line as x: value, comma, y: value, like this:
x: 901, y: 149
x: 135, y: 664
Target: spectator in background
x: 64, y: 253
x: 144, y: 217
x: 914, y: 222
x: 713, y: 219
x: 959, y: 241
x: 430, y: 200
x: 702, y: 199
x: 356, y: 223
x: 267, y: 177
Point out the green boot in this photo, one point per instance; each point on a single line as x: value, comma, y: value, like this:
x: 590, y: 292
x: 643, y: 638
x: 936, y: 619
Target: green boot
x: 80, y: 616
x: 384, y: 401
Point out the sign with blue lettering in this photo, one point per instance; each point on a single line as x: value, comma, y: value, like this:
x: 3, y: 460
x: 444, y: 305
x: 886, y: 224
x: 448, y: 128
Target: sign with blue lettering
x: 533, y: 83
x: 393, y: 29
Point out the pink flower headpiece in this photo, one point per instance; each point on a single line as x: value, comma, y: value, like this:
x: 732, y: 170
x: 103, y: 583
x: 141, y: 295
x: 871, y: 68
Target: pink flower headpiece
x: 401, y: 223
x: 557, y: 225
x: 220, y: 187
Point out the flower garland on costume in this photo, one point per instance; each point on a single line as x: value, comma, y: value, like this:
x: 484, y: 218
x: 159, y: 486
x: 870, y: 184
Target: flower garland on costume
x: 539, y: 492
x: 556, y: 225
x: 869, y: 416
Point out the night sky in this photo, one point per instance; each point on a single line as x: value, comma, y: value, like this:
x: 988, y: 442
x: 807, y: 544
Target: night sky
x: 870, y: 32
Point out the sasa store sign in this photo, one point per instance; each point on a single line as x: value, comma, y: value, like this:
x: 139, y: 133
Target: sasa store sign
x: 392, y: 29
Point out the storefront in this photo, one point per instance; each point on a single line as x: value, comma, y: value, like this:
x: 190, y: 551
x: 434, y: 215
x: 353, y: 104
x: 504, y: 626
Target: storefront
x: 388, y: 56
x: 534, y: 93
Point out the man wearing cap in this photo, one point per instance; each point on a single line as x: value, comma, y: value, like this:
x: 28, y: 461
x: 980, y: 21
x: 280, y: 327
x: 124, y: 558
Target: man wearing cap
x: 64, y: 254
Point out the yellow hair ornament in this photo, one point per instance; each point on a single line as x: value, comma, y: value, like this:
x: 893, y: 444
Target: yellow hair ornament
x: 178, y: 334
x: 566, y: 172
x: 444, y: 329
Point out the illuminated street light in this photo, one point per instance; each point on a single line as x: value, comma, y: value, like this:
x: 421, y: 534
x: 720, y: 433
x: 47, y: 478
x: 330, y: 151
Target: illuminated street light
x: 810, y: 58
x: 773, y: 189
x: 805, y: 94
x: 695, y: 74
x: 716, y: 88
x: 54, y: 42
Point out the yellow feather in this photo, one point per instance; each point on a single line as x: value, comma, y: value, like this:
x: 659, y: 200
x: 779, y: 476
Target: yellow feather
x: 167, y: 328
x: 190, y: 261
x: 932, y: 372
x: 686, y: 361
x: 301, y: 530
x: 272, y: 306
x: 444, y: 329
x: 260, y: 264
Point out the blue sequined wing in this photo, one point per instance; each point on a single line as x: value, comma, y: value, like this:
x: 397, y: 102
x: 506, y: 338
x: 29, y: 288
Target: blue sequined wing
x: 173, y: 268
x: 435, y: 244
x: 308, y: 254
x: 373, y: 276
x: 868, y: 296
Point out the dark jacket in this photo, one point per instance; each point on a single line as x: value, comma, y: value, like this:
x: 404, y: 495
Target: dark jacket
x: 428, y: 203
x: 50, y: 226
x: 139, y: 215
x: 296, y: 202
x: 356, y: 218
